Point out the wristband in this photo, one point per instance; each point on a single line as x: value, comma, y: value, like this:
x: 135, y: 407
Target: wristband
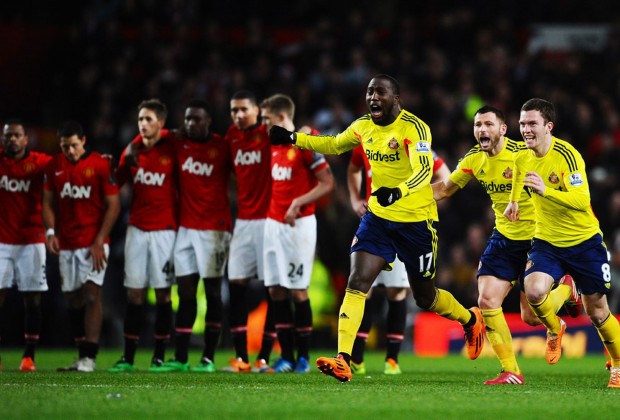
x: 50, y: 232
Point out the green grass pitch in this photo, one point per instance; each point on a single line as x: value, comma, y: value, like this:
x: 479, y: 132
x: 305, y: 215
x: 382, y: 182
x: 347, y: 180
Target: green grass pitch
x: 429, y: 388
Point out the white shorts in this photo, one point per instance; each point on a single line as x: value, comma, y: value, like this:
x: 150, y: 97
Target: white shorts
x: 201, y: 251
x: 246, y: 250
x: 289, y: 252
x: 24, y: 266
x: 395, y: 278
x: 76, y: 268
x: 148, y: 258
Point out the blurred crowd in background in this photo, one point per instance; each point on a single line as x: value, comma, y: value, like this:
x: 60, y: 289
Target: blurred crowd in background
x: 98, y: 60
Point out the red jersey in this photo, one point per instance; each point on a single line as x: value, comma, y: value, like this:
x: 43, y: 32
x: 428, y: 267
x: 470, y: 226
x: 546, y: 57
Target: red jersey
x: 292, y: 174
x: 21, y: 192
x: 359, y: 159
x: 204, y: 172
x: 155, y: 185
x: 250, y: 153
x: 80, y: 189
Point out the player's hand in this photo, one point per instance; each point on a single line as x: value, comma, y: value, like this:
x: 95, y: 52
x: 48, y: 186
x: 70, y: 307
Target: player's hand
x: 51, y: 242
x: 292, y: 213
x: 535, y: 182
x: 387, y: 196
x: 97, y: 252
x: 360, y: 207
x: 512, y: 211
x: 279, y: 135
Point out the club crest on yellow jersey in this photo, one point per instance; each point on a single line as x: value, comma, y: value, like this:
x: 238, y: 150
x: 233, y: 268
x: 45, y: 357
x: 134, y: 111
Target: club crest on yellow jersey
x: 393, y: 144
x: 507, y: 174
x: 553, y: 178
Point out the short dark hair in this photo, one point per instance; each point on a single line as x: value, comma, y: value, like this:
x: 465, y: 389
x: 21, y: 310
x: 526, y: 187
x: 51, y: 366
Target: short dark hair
x: 280, y: 103
x: 15, y: 121
x: 158, y: 107
x: 200, y: 103
x: 393, y: 82
x: 546, y: 108
x: 489, y: 108
x: 70, y: 128
x: 245, y: 94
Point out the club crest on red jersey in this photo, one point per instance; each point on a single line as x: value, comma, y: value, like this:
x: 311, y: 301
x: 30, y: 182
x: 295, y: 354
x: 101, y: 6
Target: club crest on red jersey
x: 290, y: 155
x: 393, y: 144
x: 212, y: 153
x: 89, y: 172
x: 507, y: 173
x: 553, y: 178
x: 165, y: 160
x: 29, y: 167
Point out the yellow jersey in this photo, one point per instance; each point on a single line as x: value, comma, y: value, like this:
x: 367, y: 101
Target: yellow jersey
x: 400, y: 157
x: 495, y: 173
x: 564, y: 215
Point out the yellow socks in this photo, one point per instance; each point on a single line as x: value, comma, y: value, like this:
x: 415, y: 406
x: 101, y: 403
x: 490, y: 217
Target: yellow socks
x: 500, y: 338
x: 560, y: 295
x: 447, y: 306
x: 350, y: 318
x: 546, y: 312
x: 609, y: 331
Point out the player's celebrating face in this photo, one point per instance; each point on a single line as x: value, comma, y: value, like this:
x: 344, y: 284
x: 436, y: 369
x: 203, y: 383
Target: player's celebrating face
x: 243, y: 113
x: 148, y: 124
x: 488, y: 130
x: 73, y: 147
x: 197, y: 122
x: 14, y: 140
x: 534, y: 128
x: 383, y: 100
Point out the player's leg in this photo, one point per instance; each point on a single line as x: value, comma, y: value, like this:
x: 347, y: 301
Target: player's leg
x: 186, y: 315
x: 135, y: 283
x: 213, y: 324
x: 395, y: 327
x: 364, y: 269
x: 416, y: 245
x: 492, y: 292
x: 245, y: 246
x: 2, y: 317
x: 32, y: 329
x: 261, y: 364
x: 359, y: 345
x: 160, y: 278
x: 283, y: 318
x: 31, y: 282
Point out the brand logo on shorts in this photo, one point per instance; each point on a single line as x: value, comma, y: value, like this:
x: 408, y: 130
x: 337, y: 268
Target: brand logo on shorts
x: 354, y: 240
x: 427, y: 274
x: 529, y: 265
x: 343, y: 316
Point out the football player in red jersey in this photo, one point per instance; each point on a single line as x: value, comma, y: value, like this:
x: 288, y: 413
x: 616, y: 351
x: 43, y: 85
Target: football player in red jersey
x: 22, y: 237
x: 251, y: 154
x: 80, y: 207
x: 299, y: 178
x: 153, y: 222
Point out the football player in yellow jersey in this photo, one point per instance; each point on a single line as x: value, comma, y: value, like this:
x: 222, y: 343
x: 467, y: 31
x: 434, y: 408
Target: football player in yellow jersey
x: 567, y: 235
x: 503, y: 260
x: 401, y: 217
